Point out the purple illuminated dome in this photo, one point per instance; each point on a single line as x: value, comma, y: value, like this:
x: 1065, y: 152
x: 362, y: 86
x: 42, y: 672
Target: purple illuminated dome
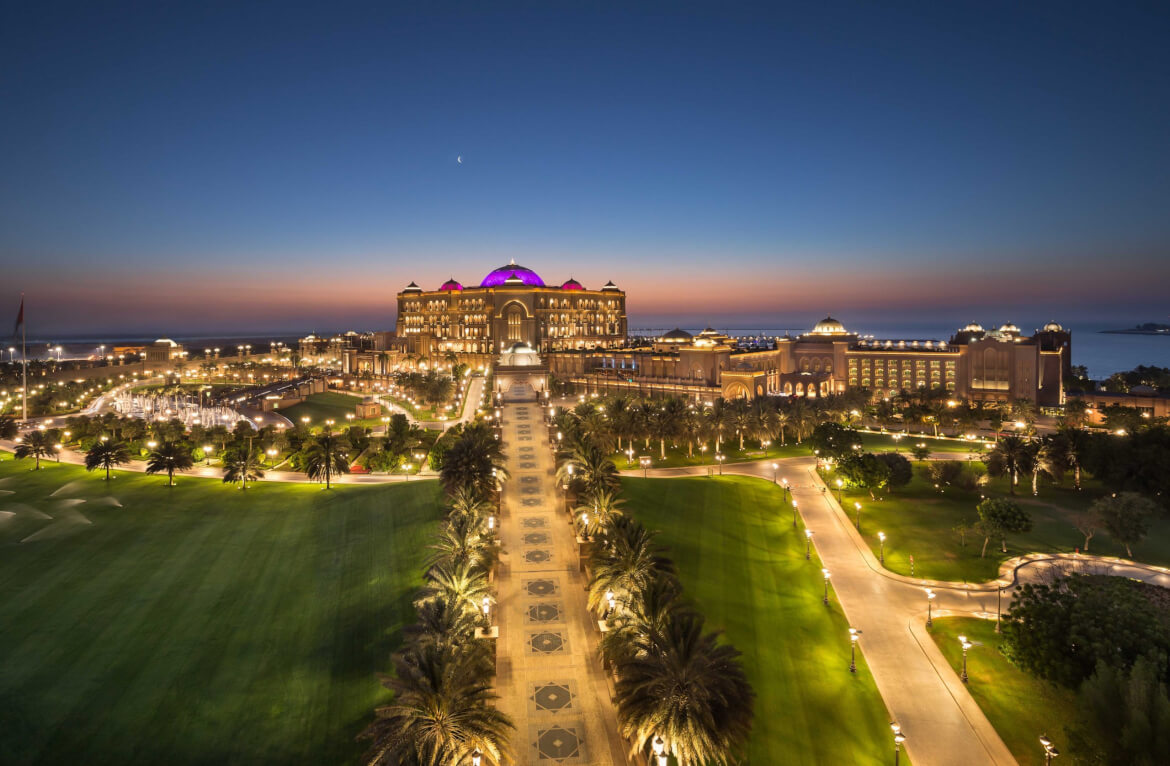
x: 512, y: 274
x: 450, y: 285
x: 572, y: 284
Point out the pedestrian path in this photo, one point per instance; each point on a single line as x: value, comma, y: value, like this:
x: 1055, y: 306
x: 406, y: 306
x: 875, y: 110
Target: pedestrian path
x: 548, y: 676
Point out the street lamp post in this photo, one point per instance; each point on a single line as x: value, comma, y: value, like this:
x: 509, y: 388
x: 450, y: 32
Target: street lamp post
x: 825, y: 572
x: 775, y: 467
x: 807, y: 544
x: 858, y: 507
x: 720, y: 458
x: 784, y: 483
x: 966, y: 645
x: 1050, y: 750
x: 840, y: 483
x: 645, y: 462
x: 853, y: 635
x: 899, y: 738
x: 794, y: 513
x: 882, y: 547
x: 929, y: 607
x: 207, y: 450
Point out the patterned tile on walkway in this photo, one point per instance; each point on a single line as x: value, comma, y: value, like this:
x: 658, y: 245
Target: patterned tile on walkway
x: 550, y: 681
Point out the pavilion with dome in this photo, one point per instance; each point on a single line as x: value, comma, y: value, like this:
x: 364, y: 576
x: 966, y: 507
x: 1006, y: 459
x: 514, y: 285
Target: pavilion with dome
x: 512, y: 304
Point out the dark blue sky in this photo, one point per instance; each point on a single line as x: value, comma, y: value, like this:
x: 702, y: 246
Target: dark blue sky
x: 276, y: 166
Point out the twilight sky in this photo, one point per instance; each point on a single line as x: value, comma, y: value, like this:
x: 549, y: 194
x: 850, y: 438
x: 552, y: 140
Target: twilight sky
x: 197, y: 167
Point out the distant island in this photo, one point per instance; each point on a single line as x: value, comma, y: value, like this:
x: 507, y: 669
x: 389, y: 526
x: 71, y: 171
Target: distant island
x: 1149, y: 328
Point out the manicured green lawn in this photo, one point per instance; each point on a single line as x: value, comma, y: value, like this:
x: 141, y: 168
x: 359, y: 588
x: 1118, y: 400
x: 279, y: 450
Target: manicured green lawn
x: 199, y: 624
x: 330, y: 404
x: 676, y: 456
x: 919, y: 521
x: 1020, y: 706
x: 745, y: 569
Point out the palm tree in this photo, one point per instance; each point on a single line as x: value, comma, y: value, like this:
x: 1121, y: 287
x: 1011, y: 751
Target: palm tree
x: 326, y: 456
x: 8, y: 427
x: 36, y: 444
x: 474, y: 460
x: 625, y: 562
x: 601, y: 508
x: 463, y: 584
x: 441, y: 624
x: 1069, y: 446
x: 587, y: 468
x: 1012, y: 455
x: 691, y: 691
x: 1046, y: 459
x: 106, y: 454
x: 169, y: 457
x: 692, y: 428
x: 741, y: 419
x: 241, y: 464
x: 637, y: 623
x: 442, y: 711
x: 718, y: 421
x: 461, y: 540
x: 467, y: 502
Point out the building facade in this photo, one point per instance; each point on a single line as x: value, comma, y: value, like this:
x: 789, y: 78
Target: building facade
x: 975, y: 364
x: 512, y: 304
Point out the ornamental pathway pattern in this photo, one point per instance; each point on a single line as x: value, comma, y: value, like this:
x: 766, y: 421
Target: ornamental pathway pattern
x: 548, y: 676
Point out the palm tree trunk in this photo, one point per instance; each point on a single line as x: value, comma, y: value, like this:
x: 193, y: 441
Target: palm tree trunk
x: 662, y: 448
x: 1128, y: 552
x: 107, y: 471
x: 983, y: 553
x: 1077, y: 478
x: 1035, y: 482
x: 1012, y: 483
x: 741, y: 441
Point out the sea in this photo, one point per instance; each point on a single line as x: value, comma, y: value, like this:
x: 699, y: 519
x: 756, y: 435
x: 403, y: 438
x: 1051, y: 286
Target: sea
x: 1101, y: 353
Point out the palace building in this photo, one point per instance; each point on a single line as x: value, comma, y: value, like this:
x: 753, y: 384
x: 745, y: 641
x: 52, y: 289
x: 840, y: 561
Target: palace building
x: 514, y: 320
x: 511, y: 305
x: 975, y: 364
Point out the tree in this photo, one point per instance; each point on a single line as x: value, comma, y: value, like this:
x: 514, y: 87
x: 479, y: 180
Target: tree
x: 690, y: 690
x: 462, y: 583
x: 442, y: 711
x: 944, y: 473
x: 35, y: 444
x: 601, y: 507
x: 1124, y: 716
x: 833, y: 440
x: 864, y: 471
x: 8, y: 427
x: 106, y: 454
x: 326, y: 456
x: 241, y: 464
x: 999, y: 517
x: 900, y: 470
x: 475, y: 460
x: 1087, y: 523
x: 1012, y: 456
x: 1126, y: 517
x: 626, y: 560
x: 962, y: 529
x: 588, y: 469
x: 1060, y: 631
x: 169, y: 457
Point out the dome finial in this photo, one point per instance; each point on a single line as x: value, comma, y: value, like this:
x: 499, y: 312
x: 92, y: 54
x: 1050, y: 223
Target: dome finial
x: 512, y: 261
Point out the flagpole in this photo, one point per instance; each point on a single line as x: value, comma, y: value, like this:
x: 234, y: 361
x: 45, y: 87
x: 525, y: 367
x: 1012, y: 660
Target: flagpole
x: 24, y: 360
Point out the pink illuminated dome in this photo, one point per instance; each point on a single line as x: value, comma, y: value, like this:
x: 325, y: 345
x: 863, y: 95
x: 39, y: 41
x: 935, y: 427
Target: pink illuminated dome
x: 512, y: 274
x: 572, y: 284
x: 450, y: 285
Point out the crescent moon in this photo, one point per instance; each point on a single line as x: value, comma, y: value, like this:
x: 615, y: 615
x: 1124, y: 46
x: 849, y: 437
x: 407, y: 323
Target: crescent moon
x: 459, y: 159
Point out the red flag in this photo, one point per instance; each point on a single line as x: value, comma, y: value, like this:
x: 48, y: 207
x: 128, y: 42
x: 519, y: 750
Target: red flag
x: 19, y: 317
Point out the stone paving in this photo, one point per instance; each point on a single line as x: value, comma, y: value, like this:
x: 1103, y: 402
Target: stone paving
x: 549, y: 678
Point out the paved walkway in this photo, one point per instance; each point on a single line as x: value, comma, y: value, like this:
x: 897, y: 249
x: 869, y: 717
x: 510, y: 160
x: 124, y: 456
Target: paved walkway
x: 549, y: 678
